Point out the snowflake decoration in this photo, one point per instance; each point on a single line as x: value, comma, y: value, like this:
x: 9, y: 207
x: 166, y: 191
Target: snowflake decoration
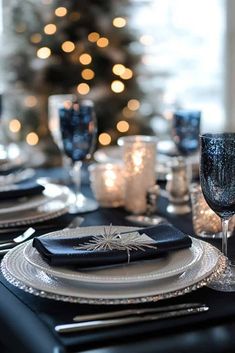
x: 112, y: 240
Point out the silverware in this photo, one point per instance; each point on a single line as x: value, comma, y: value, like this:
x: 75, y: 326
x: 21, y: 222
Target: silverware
x: 19, y: 239
x: 131, y: 312
x: 92, y: 325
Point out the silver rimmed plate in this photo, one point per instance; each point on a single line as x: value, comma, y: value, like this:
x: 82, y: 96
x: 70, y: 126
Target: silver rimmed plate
x: 23, y: 275
x: 54, y: 203
x: 175, y: 263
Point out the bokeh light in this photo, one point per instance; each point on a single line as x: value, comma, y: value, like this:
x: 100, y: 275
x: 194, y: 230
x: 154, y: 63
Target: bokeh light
x: 117, y: 86
x: 83, y: 88
x: 50, y: 29
x: 14, y: 125
x: 61, y: 11
x: 85, y: 59
x: 32, y: 139
x: 68, y: 46
x: 102, y: 42
x: 127, y: 74
x: 119, y: 22
x: 36, y: 38
x: 30, y: 101
x: 104, y: 139
x: 118, y: 69
x: 88, y: 74
x: 93, y: 37
x: 44, y: 52
x: 133, y: 104
x: 123, y: 126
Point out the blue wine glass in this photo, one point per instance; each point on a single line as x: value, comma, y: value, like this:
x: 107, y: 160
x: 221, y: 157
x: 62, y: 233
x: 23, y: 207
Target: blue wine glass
x: 78, y: 131
x: 217, y: 176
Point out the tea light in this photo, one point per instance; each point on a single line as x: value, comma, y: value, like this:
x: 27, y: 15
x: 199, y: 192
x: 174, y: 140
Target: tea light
x: 107, y: 184
x: 139, y: 157
x: 206, y: 223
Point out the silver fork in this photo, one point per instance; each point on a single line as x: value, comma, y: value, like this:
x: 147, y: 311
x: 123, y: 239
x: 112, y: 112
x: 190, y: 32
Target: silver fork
x: 19, y: 239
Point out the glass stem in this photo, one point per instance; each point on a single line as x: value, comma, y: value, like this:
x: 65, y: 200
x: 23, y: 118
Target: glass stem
x: 225, y: 223
x: 75, y: 174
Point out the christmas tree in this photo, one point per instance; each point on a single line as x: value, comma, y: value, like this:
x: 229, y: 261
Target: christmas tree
x: 81, y: 47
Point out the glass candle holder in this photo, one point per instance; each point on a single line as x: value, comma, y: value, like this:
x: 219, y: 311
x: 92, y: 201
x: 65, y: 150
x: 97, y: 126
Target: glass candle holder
x: 107, y: 184
x: 139, y: 158
x: 206, y: 223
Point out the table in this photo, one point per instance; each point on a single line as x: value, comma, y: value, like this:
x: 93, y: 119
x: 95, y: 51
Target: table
x: 27, y: 321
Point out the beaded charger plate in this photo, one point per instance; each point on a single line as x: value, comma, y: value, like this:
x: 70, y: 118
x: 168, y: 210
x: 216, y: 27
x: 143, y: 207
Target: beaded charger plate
x: 138, y: 272
x: 19, y: 272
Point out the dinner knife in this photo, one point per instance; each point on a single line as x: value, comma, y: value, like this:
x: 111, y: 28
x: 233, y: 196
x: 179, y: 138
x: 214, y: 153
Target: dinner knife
x: 138, y: 311
x: 93, y: 325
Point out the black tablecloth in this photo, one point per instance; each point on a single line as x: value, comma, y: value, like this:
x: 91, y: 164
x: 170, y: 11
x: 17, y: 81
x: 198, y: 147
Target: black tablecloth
x: 27, y: 321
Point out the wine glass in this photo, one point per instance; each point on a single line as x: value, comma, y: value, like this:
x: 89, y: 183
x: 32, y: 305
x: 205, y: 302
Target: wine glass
x: 217, y: 176
x: 185, y: 131
x: 74, y: 130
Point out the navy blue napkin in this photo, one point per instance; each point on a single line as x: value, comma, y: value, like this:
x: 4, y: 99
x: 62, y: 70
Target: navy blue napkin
x: 62, y: 251
x: 26, y: 188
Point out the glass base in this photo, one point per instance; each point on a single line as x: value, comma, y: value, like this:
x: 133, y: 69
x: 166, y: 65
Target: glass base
x: 226, y: 282
x: 82, y: 204
x: 146, y: 220
x: 218, y: 235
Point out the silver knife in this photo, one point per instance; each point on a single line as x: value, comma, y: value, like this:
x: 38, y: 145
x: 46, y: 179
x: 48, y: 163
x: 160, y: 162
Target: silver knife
x: 92, y: 325
x: 130, y: 312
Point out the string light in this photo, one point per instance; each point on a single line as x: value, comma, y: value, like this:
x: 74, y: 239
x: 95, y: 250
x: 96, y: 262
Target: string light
x: 133, y: 104
x: 102, y: 42
x: 36, y: 38
x: 30, y: 101
x: 44, y: 52
x: 68, y: 46
x: 88, y: 74
x: 50, y: 29
x: 14, y: 125
x: 123, y: 126
x: 127, y: 74
x: 104, y: 139
x: 119, y: 22
x: 32, y: 139
x: 61, y: 11
x: 93, y: 37
x: 83, y: 88
x: 85, y: 59
x: 117, y: 86
x: 118, y: 69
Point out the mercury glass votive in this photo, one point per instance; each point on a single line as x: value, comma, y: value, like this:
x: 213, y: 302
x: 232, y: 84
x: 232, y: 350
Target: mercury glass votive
x: 206, y: 223
x: 139, y: 158
x: 107, y: 184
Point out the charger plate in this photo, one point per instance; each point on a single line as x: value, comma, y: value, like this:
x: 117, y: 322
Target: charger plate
x: 19, y: 272
x: 176, y: 262
x: 55, y: 203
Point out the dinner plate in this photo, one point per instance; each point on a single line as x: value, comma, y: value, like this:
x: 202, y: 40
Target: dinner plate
x: 51, y: 192
x: 137, y: 272
x: 7, y: 181
x: 18, y: 271
x: 56, y: 205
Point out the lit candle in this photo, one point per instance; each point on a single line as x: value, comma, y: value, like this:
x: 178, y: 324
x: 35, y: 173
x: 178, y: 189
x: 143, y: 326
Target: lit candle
x: 139, y: 157
x: 107, y: 184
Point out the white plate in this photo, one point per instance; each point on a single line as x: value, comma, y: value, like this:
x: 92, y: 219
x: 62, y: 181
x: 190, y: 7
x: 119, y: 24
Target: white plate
x: 55, y: 206
x: 51, y: 192
x: 176, y: 262
x: 23, y: 275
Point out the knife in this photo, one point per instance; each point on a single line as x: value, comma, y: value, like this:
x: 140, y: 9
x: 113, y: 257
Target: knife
x: 93, y: 325
x: 138, y: 311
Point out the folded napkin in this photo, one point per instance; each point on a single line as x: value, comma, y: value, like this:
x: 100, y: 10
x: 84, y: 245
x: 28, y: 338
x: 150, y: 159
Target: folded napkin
x: 106, y: 249
x: 25, y: 188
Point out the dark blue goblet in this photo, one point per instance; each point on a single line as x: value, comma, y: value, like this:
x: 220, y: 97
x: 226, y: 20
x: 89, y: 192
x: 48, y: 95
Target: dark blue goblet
x: 217, y: 175
x: 78, y: 130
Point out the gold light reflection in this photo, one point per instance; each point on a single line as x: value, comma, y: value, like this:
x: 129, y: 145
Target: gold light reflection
x: 50, y: 29
x: 93, y: 37
x: 88, y: 74
x: 68, y: 46
x: 104, y: 139
x: 36, y: 38
x: 118, y: 69
x: 44, y: 52
x: 127, y: 74
x: 133, y: 104
x: 119, y: 22
x: 117, y: 86
x: 30, y: 101
x: 14, y: 125
x: 102, y: 42
x: 32, y: 139
x: 123, y: 126
x: 61, y: 11
x: 83, y: 88
x: 85, y: 59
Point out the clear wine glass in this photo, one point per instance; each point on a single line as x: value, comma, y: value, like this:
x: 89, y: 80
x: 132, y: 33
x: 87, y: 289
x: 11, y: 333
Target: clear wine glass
x: 185, y: 131
x: 75, y: 133
x: 217, y: 176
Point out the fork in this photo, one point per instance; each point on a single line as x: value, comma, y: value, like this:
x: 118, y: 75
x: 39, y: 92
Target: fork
x: 19, y: 239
